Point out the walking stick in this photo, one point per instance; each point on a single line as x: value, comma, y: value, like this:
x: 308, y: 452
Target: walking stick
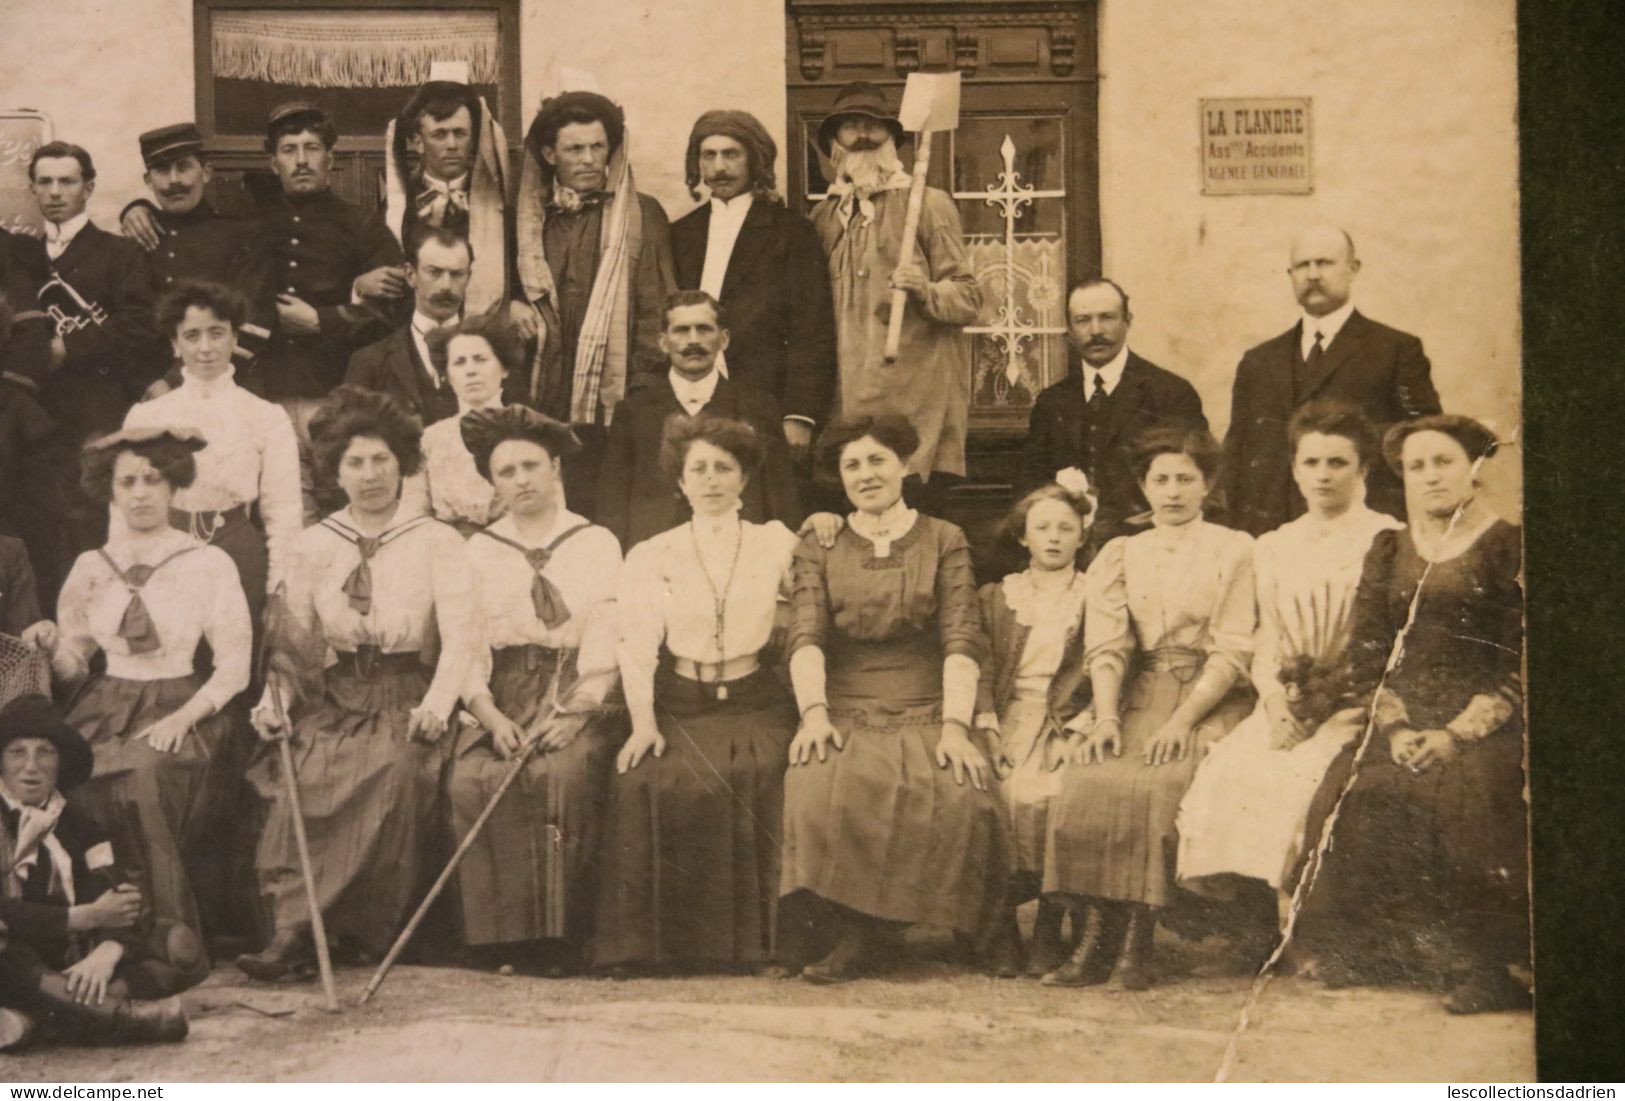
x: 318, y: 930
x: 526, y: 753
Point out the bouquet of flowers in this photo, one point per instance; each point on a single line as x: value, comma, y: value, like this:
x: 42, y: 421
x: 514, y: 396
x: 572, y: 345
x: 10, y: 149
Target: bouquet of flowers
x: 1314, y: 668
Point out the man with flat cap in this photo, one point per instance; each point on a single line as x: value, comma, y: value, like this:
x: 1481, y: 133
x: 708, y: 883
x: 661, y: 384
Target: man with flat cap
x: 1334, y: 352
x: 187, y: 237
x: 340, y: 280
x: 764, y: 262
x: 860, y: 223
x: 447, y: 168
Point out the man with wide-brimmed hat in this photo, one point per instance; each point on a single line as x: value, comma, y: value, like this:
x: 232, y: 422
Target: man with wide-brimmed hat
x: 860, y: 223
x: 74, y: 953
x: 187, y: 237
x: 764, y: 262
x: 594, y: 256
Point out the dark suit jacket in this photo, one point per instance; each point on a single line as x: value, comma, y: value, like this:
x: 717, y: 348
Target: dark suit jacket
x: 38, y: 924
x: 636, y: 499
x: 1380, y: 371
x: 106, y: 321
x: 392, y: 366
x: 781, y: 318
x: 1069, y: 690
x: 1147, y: 396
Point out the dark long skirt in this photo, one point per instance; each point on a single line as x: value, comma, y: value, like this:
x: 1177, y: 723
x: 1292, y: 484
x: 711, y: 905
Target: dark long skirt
x: 369, y: 795
x: 529, y: 874
x: 691, y: 853
x: 149, y: 802
x: 1112, y: 828
x: 879, y: 828
x: 1427, y: 868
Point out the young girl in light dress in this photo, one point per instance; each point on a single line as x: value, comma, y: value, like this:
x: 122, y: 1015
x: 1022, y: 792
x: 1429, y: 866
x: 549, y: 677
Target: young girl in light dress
x: 1033, y: 696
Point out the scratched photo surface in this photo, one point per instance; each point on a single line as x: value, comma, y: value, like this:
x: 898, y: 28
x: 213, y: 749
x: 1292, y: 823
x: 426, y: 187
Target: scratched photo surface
x: 959, y: 541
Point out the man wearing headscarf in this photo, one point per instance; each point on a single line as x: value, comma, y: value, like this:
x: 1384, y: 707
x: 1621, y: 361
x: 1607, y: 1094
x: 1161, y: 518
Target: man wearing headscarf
x: 765, y: 264
x: 594, y: 257
x: 860, y: 223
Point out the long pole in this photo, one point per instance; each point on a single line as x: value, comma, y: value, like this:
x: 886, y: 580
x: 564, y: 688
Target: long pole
x: 905, y: 252
x: 473, y: 834
x: 318, y: 929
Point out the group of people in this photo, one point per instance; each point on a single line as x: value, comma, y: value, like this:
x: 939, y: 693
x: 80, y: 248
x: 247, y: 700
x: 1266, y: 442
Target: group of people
x: 614, y: 553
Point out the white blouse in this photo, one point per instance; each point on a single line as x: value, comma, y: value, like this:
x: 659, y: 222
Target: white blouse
x: 449, y: 486
x: 422, y: 584
x: 194, y: 595
x: 665, y: 597
x: 252, y: 455
x: 586, y: 568
x: 1052, y: 612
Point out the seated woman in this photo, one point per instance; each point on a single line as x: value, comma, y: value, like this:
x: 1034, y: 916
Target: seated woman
x: 545, y: 580
x: 144, y: 601
x: 476, y: 355
x: 378, y: 585
x: 1168, y: 635
x: 1428, y: 872
x: 890, y: 813
x: 71, y: 957
x: 1033, y: 695
x: 690, y: 860
x: 1248, y: 809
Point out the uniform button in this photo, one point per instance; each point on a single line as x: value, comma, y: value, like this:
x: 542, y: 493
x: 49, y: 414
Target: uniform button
x: 172, y: 256
x: 169, y: 279
x: 293, y: 290
x: 296, y: 217
x: 293, y: 263
x: 295, y: 241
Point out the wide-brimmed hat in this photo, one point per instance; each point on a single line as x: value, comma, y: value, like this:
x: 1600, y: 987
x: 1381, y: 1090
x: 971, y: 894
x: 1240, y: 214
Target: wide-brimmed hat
x: 863, y: 99
x: 32, y: 716
x: 184, y: 435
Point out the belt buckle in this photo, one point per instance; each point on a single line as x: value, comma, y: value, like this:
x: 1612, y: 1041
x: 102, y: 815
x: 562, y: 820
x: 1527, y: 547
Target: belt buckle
x: 533, y: 658
x: 367, y: 659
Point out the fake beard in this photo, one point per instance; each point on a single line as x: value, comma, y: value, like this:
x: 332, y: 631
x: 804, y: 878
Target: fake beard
x: 867, y: 169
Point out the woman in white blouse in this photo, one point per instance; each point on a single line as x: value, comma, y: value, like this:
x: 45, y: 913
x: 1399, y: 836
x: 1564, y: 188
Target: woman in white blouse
x: 379, y: 586
x: 476, y: 355
x: 691, y: 857
x: 246, y: 497
x: 144, y: 601
x: 545, y: 580
x: 1247, y: 812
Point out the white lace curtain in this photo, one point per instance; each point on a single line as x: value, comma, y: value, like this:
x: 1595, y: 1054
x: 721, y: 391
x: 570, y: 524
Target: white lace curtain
x: 352, y: 49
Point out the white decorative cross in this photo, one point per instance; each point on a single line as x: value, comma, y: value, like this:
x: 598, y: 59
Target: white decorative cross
x: 1009, y: 327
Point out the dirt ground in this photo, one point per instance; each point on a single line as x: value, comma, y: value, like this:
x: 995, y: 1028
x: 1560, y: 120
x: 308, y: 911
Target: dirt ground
x: 926, y: 1020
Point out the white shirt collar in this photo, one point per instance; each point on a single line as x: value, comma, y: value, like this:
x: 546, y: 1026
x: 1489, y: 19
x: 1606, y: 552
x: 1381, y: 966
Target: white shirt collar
x: 212, y: 387
x: 459, y: 184
x: 494, y: 403
x: 563, y: 519
x: 1328, y: 327
x: 1111, y: 374
x: 61, y: 236
x: 423, y: 324
x: 884, y: 530
x: 693, y: 396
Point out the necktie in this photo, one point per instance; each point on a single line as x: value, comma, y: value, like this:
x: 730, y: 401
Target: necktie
x: 1097, y: 397
x: 545, y: 597
x: 135, y: 626
x: 357, y: 588
x: 437, y: 199
x: 1316, y: 354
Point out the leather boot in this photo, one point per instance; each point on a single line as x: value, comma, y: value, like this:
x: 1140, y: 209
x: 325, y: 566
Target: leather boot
x: 846, y: 959
x: 289, y: 948
x: 1002, y: 958
x: 1099, y: 943
x: 114, y: 1021
x: 1134, y: 970
x: 1048, y: 950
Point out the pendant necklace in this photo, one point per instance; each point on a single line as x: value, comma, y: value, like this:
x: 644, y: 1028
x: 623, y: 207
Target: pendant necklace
x: 719, y: 599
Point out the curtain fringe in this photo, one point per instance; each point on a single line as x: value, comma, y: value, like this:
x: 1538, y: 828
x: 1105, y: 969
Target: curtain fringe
x: 348, y: 64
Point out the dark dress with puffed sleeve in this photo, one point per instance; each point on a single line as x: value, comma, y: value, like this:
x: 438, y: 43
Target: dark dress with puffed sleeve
x: 878, y: 827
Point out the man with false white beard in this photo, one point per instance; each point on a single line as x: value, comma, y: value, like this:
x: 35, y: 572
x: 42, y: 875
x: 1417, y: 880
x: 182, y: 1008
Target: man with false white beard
x: 860, y: 223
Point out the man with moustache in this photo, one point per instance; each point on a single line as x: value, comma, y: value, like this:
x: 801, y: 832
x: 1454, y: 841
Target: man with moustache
x: 1334, y: 353
x: 186, y: 237
x: 747, y: 249
x: 594, y: 257
x: 860, y: 223
x: 439, y: 269
x: 636, y: 498
x: 338, y: 272
x: 459, y: 183
x: 1090, y: 418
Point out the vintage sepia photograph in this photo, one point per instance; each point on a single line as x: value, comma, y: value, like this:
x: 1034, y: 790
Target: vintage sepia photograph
x: 762, y: 540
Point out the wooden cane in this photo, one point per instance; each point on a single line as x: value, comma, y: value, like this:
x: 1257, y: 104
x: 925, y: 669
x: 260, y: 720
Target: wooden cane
x: 318, y: 930
x: 526, y: 753
x: 905, y: 253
